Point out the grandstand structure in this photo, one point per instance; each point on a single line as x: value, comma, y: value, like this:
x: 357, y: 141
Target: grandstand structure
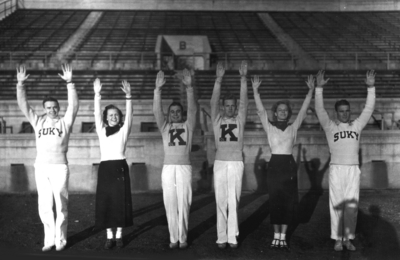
x: 283, y: 47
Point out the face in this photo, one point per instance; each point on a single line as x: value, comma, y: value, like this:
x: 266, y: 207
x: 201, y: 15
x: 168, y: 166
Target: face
x: 113, y: 117
x: 282, y: 112
x: 51, y: 109
x: 343, y: 113
x: 175, y: 114
x: 229, y: 108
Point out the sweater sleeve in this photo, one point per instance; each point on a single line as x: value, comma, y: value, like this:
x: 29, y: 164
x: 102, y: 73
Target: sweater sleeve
x: 368, y: 109
x: 24, y: 106
x: 303, y: 111
x: 215, y: 100
x: 262, y: 113
x: 128, y: 117
x: 322, y: 115
x: 244, y: 101
x: 97, y: 113
x: 192, y: 108
x: 157, y: 109
x: 73, y: 105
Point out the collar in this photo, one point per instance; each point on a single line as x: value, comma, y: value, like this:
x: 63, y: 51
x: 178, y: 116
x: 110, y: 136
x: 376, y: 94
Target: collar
x: 110, y: 130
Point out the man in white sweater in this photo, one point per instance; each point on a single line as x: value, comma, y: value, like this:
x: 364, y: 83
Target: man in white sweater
x: 51, y: 165
x: 343, y: 137
x: 228, y: 165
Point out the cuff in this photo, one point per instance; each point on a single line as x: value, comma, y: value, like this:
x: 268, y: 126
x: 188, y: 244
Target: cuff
x: 70, y: 85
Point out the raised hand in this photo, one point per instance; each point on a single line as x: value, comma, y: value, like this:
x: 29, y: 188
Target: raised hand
x: 97, y: 86
x: 310, y: 82
x: 160, y: 81
x: 320, y: 79
x: 243, y: 69
x: 126, y: 87
x: 21, y: 73
x: 370, y: 80
x: 256, y: 82
x: 220, y: 70
x: 186, y: 78
x: 67, y: 70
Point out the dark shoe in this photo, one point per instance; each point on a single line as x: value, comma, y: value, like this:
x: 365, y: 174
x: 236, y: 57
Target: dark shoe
x: 119, y: 243
x: 338, y: 245
x: 283, y: 245
x: 274, y: 244
x: 183, y: 245
x: 233, y: 245
x: 221, y: 245
x: 173, y: 245
x: 349, y: 245
x: 109, y: 244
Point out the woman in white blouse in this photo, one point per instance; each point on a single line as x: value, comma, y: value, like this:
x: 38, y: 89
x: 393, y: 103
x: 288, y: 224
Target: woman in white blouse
x: 113, y: 194
x: 282, y: 169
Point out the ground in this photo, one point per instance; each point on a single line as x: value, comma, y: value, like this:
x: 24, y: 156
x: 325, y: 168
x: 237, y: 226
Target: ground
x: 378, y: 229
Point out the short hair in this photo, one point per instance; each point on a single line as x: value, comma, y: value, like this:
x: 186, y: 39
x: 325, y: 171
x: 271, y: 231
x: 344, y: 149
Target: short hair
x: 229, y: 96
x: 342, y: 102
x: 46, y: 99
x: 175, y: 103
x: 275, y: 107
x: 119, y: 113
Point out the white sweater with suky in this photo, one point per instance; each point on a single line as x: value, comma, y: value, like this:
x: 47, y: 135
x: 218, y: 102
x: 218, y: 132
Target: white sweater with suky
x: 112, y: 147
x: 228, y: 132
x: 281, y: 142
x: 177, y: 137
x: 52, y: 135
x: 344, y: 138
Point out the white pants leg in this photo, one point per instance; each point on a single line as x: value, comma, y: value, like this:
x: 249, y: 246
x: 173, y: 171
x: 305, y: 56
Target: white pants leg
x: 177, y: 194
x: 228, y: 187
x: 52, y: 183
x: 344, y: 189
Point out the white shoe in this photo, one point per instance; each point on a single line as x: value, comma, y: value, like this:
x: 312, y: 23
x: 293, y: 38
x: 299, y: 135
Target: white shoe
x: 60, y: 247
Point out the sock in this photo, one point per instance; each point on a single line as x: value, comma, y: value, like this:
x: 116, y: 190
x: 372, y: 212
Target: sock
x: 109, y: 233
x: 283, y: 236
x: 277, y: 235
x: 118, y: 234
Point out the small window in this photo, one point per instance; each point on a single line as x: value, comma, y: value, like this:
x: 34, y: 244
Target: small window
x: 182, y: 45
x: 26, y: 128
x: 148, y: 127
x: 88, y: 127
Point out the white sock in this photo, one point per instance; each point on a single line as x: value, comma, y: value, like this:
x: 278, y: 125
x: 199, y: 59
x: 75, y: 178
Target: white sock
x: 277, y: 235
x: 109, y: 233
x: 283, y: 236
x: 118, y: 234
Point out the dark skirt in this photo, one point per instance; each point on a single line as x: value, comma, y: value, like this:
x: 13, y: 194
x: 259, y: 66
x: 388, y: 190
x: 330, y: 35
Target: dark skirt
x: 113, y: 195
x: 282, y: 187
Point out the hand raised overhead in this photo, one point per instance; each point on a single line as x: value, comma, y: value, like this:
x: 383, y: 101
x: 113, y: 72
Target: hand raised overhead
x: 256, y: 82
x: 160, y: 80
x: 97, y: 86
x: 67, y: 70
x: 243, y: 69
x: 21, y: 73
x: 320, y: 79
x: 126, y: 87
x: 370, y: 80
x: 186, y: 78
x: 220, y: 70
x: 311, y: 82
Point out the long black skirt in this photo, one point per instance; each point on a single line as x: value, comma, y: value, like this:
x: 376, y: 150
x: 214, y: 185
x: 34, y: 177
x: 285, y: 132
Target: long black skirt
x: 113, y: 195
x: 282, y: 187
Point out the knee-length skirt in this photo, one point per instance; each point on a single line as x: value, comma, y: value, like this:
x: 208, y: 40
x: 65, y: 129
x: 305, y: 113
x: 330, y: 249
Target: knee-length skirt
x: 113, y: 195
x: 282, y: 187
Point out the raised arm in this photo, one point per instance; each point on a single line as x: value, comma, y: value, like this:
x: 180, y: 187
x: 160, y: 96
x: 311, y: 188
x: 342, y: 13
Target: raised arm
x: 244, y: 99
x: 21, y: 94
x: 126, y: 88
x: 97, y: 100
x: 192, y: 106
x: 217, y: 92
x: 157, y: 105
x: 323, y: 116
x: 73, y: 102
x: 303, y: 110
x: 256, y: 82
x: 370, y: 104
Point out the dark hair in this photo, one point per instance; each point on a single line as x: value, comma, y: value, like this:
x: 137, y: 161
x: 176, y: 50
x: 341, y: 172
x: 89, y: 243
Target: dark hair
x: 105, y: 114
x: 229, y: 96
x: 342, y: 102
x: 50, y: 99
x: 275, y: 107
x: 175, y: 103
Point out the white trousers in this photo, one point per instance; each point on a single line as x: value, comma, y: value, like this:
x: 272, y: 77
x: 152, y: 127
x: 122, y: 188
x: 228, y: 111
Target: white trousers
x: 177, y: 194
x: 52, y: 182
x: 228, y: 187
x: 344, y: 189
